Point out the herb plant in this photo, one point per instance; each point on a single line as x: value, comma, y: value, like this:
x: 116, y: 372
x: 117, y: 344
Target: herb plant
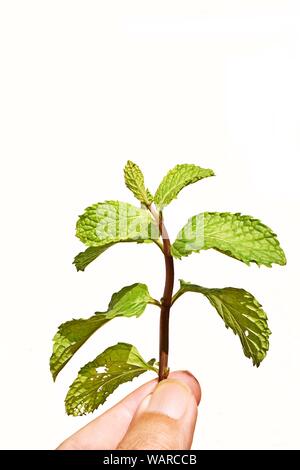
x: 102, y: 225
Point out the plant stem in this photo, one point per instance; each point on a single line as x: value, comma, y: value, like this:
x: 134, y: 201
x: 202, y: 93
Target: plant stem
x: 166, y: 303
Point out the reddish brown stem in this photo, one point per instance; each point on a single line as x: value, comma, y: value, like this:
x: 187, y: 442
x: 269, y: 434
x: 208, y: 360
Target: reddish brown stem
x: 166, y: 303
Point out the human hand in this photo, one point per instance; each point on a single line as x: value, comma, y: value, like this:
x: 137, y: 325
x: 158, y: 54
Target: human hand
x: 153, y: 417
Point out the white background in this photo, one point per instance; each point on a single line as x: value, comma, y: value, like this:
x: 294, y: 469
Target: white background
x: 84, y: 86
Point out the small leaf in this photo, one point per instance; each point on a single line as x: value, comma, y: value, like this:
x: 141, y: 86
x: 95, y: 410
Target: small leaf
x: 177, y: 178
x: 242, y: 313
x: 98, y: 379
x: 112, y: 222
x: 83, y: 259
x: 129, y: 301
x: 240, y: 236
x: 134, y: 180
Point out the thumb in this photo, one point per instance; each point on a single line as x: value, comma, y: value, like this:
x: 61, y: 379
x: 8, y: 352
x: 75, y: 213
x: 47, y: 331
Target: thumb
x: 166, y: 419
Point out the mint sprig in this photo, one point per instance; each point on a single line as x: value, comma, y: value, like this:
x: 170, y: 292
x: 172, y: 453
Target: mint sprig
x: 105, y: 224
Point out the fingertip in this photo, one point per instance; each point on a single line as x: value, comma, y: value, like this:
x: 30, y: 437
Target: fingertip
x: 166, y: 418
x: 190, y: 380
x: 133, y: 400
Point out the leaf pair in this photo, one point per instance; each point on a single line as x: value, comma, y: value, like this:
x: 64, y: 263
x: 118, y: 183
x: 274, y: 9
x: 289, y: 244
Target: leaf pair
x: 122, y: 362
x: 175, y: 180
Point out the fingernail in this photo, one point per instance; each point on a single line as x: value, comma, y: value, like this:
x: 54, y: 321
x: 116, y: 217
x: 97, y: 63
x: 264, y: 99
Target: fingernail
x: 170, y: 398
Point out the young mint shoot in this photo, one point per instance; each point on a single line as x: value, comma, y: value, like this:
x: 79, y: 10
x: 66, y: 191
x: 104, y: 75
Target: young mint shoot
x: 102, y: 225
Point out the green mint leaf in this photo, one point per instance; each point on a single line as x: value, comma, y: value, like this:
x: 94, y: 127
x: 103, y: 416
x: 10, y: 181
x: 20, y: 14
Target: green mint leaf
x: 130, y: 301
x: 71, y: 335
x: 83, y: 259
x: 98, y: 379
x: 134, y: 180
x: 113, y: 222
x: 240, y: 236
x: 177, y: 178
x: 243, y: 314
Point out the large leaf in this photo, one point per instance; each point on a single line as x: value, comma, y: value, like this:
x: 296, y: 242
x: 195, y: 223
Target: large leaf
x: 113, y: 222
x: 134, y: 180
x: 177, y: 178
x: 129, y: 301
x: 242, y: 313
x: 239, y: 236
x: 105, y: 224
x: 98, y: 379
